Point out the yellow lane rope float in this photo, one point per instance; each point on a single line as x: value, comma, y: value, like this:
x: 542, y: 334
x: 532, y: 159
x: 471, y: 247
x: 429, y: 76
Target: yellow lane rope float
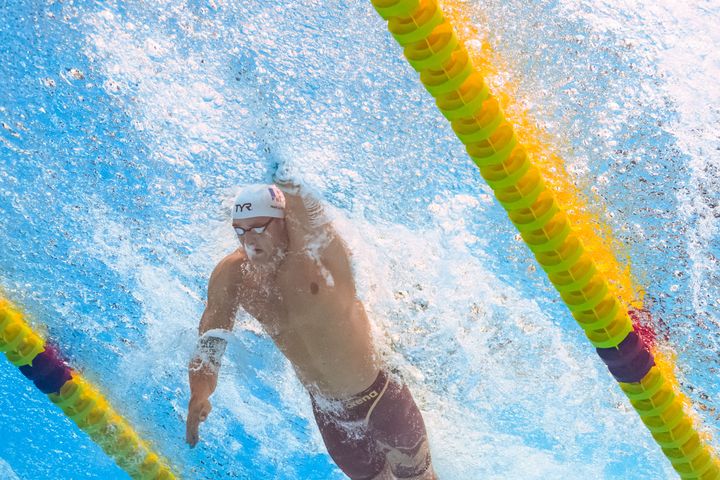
x: 434, y: 51
x: 584, y: 208
x: 77, y: 398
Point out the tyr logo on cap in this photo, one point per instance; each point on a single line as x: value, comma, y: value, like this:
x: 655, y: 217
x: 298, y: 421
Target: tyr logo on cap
x: 240, y: 208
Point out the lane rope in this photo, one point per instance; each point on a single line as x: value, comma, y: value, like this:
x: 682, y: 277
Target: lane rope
x: 77, y: 398
x: 432, y: 48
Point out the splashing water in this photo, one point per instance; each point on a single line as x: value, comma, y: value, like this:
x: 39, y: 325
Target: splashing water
x: 127, y: 125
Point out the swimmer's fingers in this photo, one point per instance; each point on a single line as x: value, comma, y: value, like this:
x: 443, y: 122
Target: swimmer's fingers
x: 286, y: 177
x: 198, y: 411
x: 191, y: 432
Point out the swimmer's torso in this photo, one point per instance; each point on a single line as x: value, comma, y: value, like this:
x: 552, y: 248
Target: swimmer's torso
x: 309, y: 308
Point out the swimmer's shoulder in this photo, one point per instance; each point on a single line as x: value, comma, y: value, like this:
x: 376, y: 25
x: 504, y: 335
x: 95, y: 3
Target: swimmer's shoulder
x: 232, y: 270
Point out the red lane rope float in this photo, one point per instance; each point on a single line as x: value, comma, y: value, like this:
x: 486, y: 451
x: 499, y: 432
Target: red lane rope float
x: 434, y: 51
x: 77, y: 398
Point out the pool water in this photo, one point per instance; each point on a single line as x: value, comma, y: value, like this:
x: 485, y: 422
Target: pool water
x: 126, y: 127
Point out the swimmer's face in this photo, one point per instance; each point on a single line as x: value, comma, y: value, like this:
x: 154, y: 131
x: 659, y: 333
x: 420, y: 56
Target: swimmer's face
x: 263, y: 238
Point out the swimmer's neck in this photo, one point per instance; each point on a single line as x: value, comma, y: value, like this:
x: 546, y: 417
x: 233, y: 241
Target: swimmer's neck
x: 263, y: 269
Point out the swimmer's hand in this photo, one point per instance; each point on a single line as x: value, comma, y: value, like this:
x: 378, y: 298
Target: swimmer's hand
x: 198, y: 411
x: 286, y: 177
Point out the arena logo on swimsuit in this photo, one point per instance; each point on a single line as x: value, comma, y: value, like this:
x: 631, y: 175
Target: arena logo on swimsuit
x: 363, y: 399
x: 243, y: 207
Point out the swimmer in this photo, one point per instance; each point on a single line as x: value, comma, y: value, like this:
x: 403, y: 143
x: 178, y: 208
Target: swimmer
x: 292, y: 273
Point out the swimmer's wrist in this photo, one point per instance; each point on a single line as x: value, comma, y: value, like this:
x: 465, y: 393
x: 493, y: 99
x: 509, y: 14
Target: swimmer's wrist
x: 208, y: 352
x: 285, y: 177
x: 287, y: 185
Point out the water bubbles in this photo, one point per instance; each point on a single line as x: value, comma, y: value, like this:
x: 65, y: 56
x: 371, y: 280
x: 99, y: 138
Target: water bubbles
x: 6, y: 471
x: 198, y: 181
x: 75, y: 74
x: 111, y: 86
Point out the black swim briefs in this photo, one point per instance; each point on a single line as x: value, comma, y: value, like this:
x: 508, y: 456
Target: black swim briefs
x: 379, y: 424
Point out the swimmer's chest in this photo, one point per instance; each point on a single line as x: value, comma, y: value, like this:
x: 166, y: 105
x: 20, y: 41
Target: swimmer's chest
x: 303, y: 280
x: 299, y: 289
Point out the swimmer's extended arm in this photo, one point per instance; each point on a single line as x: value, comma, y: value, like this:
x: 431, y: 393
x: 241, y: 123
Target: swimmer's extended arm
x: 310, y: 229
x: 218, y: 318
x: 305, y: 212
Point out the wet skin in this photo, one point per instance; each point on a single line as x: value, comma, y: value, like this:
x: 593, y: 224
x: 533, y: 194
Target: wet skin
x: 295, y: 278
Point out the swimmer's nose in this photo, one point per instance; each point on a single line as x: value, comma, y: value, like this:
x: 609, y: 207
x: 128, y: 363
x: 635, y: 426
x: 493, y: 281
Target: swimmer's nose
x: 250, y: 242
x: 251, y: 235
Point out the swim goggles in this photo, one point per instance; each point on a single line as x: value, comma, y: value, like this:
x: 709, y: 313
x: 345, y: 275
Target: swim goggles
x: 261, y: 229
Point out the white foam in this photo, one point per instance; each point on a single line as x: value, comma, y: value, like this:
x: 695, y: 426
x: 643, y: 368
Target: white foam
x: 170, y: 94
x: 480, y: 357
x: 679, y: 40
x: 6, y: 471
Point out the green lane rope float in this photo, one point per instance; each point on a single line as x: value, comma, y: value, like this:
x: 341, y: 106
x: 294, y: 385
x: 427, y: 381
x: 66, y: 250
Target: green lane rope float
x: 77, y: 398
x: 432, y: 48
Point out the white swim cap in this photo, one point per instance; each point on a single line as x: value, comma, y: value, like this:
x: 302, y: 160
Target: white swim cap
x: 259, y: 201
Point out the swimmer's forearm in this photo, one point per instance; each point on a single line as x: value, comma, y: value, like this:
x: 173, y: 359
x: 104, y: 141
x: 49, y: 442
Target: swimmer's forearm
x: 299, y: 200
x: 305, y: 208
x: 287, y: 185
x: 205, y: 365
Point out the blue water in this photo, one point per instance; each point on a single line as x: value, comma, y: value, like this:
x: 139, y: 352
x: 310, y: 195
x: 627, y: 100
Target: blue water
x: 125, y: 127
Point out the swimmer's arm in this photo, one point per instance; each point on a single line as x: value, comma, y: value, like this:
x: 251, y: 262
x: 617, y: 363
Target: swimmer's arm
x: 304, y: 207
x: 217, y: 319
x: 307, y: 223
x: 305, y: 216
x: 306, y: 220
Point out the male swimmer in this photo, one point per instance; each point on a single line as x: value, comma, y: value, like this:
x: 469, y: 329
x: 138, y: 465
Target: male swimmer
x: 292, y: 273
